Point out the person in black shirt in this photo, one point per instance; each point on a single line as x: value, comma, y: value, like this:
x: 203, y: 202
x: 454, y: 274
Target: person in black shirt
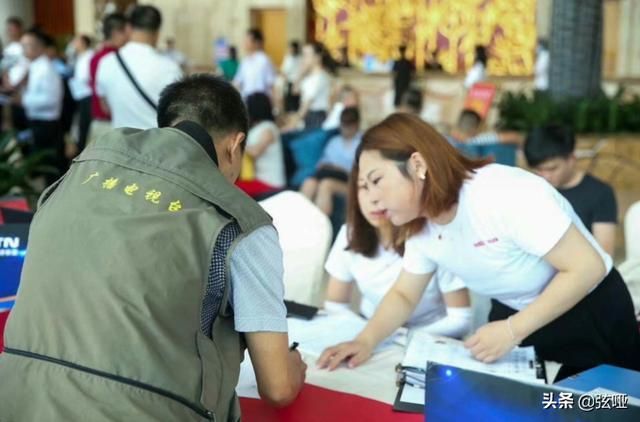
x: 402, y: 74
x: 550, y: 153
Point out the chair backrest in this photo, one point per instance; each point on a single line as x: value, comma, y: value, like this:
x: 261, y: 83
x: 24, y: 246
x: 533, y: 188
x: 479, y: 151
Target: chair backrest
x: 632, y: 231
x: 305, y: 237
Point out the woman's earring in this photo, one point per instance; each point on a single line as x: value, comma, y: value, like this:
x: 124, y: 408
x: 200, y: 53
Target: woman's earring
x: 423, y: 176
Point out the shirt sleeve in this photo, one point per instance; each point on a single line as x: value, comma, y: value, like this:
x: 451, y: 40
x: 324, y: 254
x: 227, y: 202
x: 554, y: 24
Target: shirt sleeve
x: 257, y: 283
x: 101, y: 75
x: 535, y: 215
x: 339, y: 262
x: 414, y: 260
x: 448, y: 282
x: 607, y: 209
x: 239, y: 78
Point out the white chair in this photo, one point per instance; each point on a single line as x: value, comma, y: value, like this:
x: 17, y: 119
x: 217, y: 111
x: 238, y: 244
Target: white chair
x: 632, y: 231
x: 305, y: 237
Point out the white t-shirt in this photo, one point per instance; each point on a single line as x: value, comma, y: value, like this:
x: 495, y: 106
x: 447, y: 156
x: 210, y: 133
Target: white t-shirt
x: 255, y: 74
x: 315, y: 89
x: 507, y: 220
x: 42, y: 98
x: 476, y: 74
x: 151, y: 70
x: 291, y: 66
x: 16, y: 63
x: 375, y: 277
x: 269, y: 166
x: 79, y: 84
x: 541, y: 80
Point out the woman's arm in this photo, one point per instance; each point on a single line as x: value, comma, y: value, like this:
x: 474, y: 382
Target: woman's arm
x: 267, y: 137
x: 338, y: 296
x: 580, y: 268
x: 457, y: 323
x: 394, y: 310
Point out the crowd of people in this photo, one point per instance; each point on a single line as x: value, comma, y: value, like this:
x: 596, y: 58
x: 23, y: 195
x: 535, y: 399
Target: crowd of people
x: 156, y: 233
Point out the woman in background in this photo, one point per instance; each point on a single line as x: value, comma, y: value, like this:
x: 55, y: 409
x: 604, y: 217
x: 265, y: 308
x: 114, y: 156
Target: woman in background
x: 316, y: 86
x: 478, y: 71
x: 264, y: 149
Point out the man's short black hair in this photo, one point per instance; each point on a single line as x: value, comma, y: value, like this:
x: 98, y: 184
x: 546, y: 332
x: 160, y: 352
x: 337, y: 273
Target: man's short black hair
x: 295, y: 47
x: 145, y: 18
x: 86, y: 40
x: 43, y: 39
x: 204, y: 99
x: 412, y: 99
x: 256, y: 35
x: 350, y: 116
x: 14, y: 20
x: 111, y: 23
x: 469, y: 121
x: 548, y: 142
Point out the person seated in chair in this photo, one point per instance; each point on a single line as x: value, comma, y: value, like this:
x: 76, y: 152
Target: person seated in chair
x: 333, y: 168
x: 368, y: 252
x: 468, y: 132
x: 550, y: 153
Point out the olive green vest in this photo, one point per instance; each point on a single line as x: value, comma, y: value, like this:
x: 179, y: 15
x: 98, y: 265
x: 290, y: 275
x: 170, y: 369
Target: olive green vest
x: 107, y: 322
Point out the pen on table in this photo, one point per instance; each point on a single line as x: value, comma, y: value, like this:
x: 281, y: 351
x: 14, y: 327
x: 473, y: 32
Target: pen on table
x: 294, y: 346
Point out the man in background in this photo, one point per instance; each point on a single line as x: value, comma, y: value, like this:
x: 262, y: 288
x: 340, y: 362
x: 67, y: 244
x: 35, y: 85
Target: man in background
x: 42, y: 100
x: 115, y: 36
x: 256, y: 73
x: 550, y: 153
x: 130, y: 80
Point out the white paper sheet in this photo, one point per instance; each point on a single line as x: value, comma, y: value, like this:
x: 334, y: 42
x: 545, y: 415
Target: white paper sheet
x: 328, y: 330
x: 247, y: 383
x: 519, y: 364
x: 412, y: 395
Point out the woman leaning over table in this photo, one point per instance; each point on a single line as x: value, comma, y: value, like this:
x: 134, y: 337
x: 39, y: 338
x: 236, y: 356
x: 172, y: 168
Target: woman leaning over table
x: 510, y: 236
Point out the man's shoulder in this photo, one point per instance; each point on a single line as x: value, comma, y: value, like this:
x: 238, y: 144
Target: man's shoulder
x: 592, y: 182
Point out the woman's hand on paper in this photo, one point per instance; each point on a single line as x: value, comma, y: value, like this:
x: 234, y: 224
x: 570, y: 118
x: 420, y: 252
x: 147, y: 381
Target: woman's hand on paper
x: 353, y: 352
x: 491, y: 341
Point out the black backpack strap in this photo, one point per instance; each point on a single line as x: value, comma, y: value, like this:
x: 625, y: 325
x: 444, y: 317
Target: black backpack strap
x: 134, y: 82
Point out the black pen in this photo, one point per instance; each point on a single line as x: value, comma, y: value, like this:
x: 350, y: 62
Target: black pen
x: 294, y: 346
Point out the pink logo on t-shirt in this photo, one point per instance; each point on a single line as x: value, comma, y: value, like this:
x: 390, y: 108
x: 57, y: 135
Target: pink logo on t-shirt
x: 483, y: 243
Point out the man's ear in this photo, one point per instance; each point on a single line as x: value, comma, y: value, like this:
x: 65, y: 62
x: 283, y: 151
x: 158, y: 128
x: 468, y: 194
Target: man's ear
x: 236, y: 143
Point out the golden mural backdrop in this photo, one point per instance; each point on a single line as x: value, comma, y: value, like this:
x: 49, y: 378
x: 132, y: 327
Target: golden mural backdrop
x: 453, y: 27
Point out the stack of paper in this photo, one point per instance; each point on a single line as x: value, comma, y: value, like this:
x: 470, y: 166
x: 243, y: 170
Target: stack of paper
x: 520, y: 364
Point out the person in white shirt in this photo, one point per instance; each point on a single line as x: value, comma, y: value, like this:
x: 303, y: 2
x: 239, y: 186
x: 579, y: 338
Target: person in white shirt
x: 256, y: 73
x: 151, y: 71
x: 478, y: 71
x: 264, y: 148
x: 541, y: 68
x: 14, y: 68
x: 14, y: 63
x: 291, y: 69
x: 176, y: 55
x: 80, y: 86
x: 347, y: 97
x: 367, y: 252
x: 42, y: 100
x: 510, y: 236
x: 315, y: 87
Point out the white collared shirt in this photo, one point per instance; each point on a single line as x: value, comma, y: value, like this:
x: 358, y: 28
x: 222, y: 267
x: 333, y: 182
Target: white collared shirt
x: 42, y: 98
x: 151, y: 70
x: 15, y: 61
x: 79, y: 84
x: 255, y: 74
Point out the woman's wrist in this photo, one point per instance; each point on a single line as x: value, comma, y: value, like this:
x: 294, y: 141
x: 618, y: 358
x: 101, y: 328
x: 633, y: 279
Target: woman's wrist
x: 516, y: 329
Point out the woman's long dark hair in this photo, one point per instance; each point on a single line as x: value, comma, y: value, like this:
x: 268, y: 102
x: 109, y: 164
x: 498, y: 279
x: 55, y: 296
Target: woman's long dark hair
x: 481, y: 55
x: 328, y: 63
x: 259, y: 108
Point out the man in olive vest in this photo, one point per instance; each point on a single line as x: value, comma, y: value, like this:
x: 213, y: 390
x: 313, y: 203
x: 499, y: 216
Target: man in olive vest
x: 147, y: 272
